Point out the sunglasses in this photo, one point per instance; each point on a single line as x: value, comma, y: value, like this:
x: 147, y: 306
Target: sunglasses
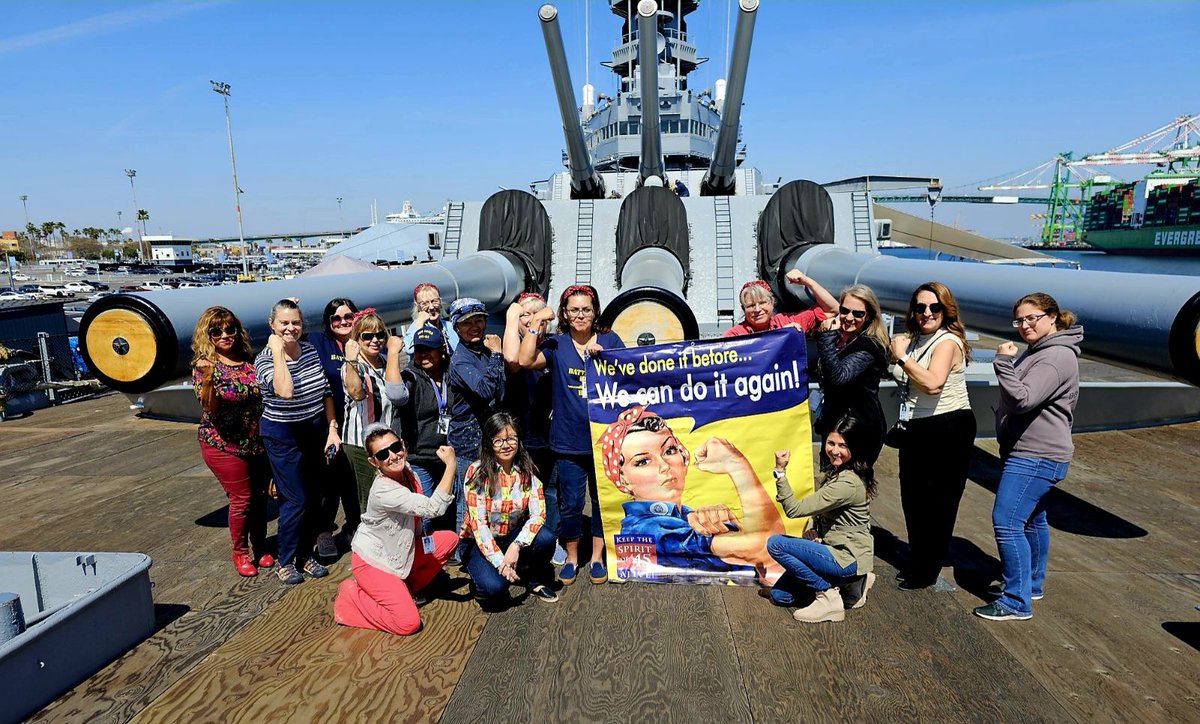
x: 382, y: 454
x: 856, y: 313
x: 371, y: 336
x: 339, y: 318
x: 229, y: 330
x: 935, y: 308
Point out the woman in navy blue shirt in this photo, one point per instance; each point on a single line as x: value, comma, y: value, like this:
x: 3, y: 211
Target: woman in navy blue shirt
x: 564, y: 356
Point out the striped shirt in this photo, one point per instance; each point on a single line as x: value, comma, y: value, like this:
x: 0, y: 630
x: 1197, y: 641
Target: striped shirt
x: 378, y: 404
x: 309, y: 386
x: 520, y: 503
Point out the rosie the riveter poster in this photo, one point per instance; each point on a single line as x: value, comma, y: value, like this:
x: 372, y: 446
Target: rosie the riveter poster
x: 684, y: 439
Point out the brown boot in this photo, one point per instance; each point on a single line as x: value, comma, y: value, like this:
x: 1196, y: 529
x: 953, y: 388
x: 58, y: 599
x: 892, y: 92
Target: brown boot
x: 827, y: 606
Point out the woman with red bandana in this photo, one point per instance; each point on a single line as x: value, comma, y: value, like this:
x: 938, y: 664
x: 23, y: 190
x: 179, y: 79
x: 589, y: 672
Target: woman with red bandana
x: 565, y: 356
x: 643, y: 458
x: 759, y: 305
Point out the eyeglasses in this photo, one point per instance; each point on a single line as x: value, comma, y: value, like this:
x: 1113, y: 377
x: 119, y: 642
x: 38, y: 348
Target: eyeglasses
x: 383, y: 454
x: 339, y: 318
x: 1029, y: 319
x: 935, y: 308
x: 229, y: 330
x: 856, y: 313
x: 370, y: 336
x: 579, y: 312
x: 505, y: 441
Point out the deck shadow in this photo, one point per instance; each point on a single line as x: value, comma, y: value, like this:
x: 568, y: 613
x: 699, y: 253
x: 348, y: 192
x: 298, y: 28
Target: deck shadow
x: 219, y: 518
x: 1064, y: 511
x: 1186, y: 631
x: 166, y: 613
x: 974, y: 568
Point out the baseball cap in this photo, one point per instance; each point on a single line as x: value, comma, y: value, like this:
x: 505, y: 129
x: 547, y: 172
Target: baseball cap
x: 429, y: 336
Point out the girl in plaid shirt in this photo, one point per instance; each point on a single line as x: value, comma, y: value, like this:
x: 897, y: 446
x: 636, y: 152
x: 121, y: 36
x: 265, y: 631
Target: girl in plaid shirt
x: 505, y: 514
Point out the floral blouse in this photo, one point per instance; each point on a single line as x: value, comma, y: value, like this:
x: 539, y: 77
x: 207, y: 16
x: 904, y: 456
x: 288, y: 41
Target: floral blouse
x: 233, y: 426
x: 520, y: 503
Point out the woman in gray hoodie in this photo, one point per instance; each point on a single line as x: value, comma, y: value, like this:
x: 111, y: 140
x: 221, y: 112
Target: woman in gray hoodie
x: 1038, y: 392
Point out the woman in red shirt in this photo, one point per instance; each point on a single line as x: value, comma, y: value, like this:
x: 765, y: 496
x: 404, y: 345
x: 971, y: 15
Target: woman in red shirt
x: 758, y: 303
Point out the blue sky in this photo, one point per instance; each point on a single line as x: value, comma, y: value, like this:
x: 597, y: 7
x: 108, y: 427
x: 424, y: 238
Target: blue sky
x: 440, y: 100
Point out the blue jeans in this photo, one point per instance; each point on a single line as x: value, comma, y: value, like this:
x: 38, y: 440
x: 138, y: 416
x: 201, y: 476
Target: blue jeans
x: 533, y: 566
x: 576, y: 475
x: 429, y: 476
x: 807, y: 564
x: 543, y: 458
x: 1019, y: 521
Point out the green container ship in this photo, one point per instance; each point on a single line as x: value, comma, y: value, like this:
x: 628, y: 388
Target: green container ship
x: 1158, y: 215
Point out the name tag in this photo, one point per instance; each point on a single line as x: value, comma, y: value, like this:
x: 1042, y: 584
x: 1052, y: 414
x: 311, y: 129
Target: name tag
x: 443, y: 426
x: 427, y: 543
x: 906, y: 412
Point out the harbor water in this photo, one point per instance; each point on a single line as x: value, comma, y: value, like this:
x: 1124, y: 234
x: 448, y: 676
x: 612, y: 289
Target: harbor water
x: 1087, y: 260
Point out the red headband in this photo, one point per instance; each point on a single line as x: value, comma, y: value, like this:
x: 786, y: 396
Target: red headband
x: 756, y: 283
x: 530, y: 295
x: 425, y: 285
x: 574, y: 289
x: 363, y: 312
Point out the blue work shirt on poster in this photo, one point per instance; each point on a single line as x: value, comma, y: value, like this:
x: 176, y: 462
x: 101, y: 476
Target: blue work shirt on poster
x: 675, y: 543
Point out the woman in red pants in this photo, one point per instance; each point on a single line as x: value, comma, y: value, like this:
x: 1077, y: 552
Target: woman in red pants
x: 223, y: 375
x: 390, y: 558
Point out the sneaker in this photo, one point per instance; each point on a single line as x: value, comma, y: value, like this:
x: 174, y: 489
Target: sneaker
x: 420, y: 599
x: 597, y: 572
x: 544, y: 593
x: 266, y: 560
x: 567, y: 573
x: 326, y: 548
x: 1038, y: 596
x: 313, y: 569
x: 560, y: 555
x: 243, y: 565
x: 288, y: 575
x: 995, y: 612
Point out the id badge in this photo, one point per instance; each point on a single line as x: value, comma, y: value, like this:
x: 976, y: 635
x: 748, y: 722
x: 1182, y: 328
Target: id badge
x: 427, y: 543
x: 906, y: 412
x: 443, y: 425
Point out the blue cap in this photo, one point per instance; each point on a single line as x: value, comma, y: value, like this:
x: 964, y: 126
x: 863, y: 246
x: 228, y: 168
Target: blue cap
x: 466, y: 307
x: 429, y: 336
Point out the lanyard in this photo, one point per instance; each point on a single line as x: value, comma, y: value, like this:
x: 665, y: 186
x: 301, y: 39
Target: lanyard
x: 440, y: 394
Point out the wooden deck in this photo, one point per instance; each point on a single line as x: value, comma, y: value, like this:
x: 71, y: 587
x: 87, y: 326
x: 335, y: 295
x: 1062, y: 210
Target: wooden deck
x: 1116, y: 638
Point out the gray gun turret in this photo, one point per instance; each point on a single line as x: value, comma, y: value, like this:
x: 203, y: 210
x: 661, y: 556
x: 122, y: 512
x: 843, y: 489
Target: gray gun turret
x: 585, y: 182
x: 719, y: 181
x: 652, y: 157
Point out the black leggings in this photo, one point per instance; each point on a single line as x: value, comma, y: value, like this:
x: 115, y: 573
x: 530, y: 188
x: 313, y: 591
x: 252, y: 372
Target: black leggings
x: 933, y: 474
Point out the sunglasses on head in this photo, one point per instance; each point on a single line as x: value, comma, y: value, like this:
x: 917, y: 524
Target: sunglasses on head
x: 383, y: 453
x: 935, y: 308
x: 229, y: 330
x: 370, y: 336
x: 856, y: 313
x: 338, y: 318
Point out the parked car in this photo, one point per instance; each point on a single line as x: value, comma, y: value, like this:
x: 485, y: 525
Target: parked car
x: 132, y: 288
x: 155, y: 286
x: 76, y: 273
x: 9, y: 295
x: 98, y: 286
x: 54, y: 290
x: 78, y: 287
x: 99, y: 295
x: 21, y: 277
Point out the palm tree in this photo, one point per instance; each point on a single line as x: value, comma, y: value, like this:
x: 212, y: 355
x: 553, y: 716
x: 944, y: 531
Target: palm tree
x: 143, y: 217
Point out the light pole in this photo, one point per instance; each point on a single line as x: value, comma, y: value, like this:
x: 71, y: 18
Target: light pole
x: 223, y: 90
x: 32, y: 250
x: 341, y: 221
x: 131, y: 173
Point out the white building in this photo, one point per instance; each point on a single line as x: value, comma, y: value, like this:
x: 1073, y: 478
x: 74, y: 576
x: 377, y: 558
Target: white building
x: 168, y: 251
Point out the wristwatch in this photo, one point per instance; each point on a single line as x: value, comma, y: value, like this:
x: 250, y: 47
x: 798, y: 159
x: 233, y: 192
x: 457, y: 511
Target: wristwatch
x: 902, y: 359
x: 779, y: 472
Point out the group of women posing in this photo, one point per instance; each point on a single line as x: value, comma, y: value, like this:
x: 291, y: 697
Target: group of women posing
x: 499, y: 428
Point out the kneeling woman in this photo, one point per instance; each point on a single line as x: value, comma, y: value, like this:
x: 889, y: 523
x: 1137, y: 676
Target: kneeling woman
x: 390, y: 559
x: 837, y: 550
x: 505, y: 513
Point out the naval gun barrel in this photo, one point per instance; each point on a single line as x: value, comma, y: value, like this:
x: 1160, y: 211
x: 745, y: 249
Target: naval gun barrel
x: 137, y: 342
x: 720, y: 180
x: 585, y: 182
x: 1147, y: 322
x: 652, y: 155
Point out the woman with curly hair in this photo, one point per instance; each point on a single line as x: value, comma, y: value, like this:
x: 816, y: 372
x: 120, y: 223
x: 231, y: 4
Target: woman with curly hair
x: 223, y: 375
x: 930, y: 364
